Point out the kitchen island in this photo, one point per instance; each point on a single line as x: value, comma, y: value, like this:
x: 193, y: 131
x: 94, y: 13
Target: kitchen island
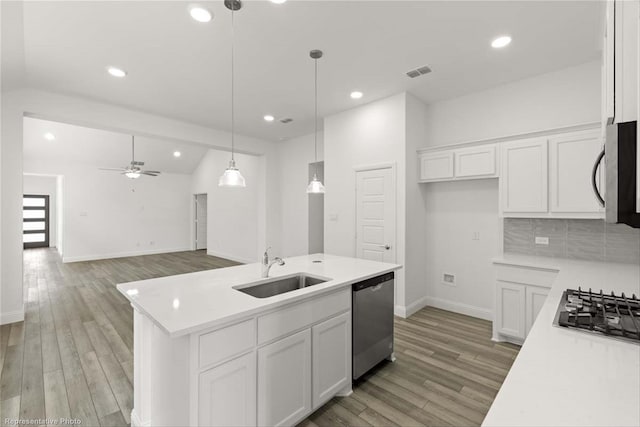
x: 206, y: 353
x: 568, y: 377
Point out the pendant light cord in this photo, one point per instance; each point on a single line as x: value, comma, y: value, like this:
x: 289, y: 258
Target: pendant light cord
x: 232, y: 83
x: 315, y: 142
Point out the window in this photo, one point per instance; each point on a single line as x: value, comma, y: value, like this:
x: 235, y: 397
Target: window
x: 35, y: 217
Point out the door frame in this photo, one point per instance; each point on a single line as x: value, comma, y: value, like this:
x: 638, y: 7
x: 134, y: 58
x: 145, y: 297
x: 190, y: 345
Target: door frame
x: 394, y: 184
x: 47, y: 215
x: 194, y: 220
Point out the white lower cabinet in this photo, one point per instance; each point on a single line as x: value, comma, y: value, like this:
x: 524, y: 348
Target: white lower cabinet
x: 510, y: 308
x: 517, y: 307
x: 227, y: 393
x: 284, y: 380
x: 331, y: 358
x: 535, y: 298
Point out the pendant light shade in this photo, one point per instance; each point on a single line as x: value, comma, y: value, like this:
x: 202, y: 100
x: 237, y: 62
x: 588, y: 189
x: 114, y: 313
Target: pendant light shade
x: 232, y: 176
x: 315, y: 186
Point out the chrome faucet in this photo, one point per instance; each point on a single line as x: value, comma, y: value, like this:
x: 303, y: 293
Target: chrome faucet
x: 266, y: 264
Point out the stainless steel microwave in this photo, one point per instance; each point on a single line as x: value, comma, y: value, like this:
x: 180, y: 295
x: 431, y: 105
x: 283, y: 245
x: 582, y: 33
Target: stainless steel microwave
x: 621, y: 198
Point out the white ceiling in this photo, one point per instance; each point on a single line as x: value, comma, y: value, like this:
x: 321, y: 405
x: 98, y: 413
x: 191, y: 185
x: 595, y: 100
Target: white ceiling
x: 181, y: 68
x: 88, y: 147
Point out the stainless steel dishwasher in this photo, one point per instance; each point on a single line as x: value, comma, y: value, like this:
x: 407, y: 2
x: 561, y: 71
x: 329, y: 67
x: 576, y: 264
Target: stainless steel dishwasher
x: 372, y: 334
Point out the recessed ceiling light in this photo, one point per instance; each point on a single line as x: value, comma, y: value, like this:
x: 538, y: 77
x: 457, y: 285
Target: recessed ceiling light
x: 501, y: 41
x: 356, y: 95
x: 177, y: 154
x: 269, y: 118
x: 200, y: 14
x: 49, y: 136
x: 278, y: 1
x: 116, y: 72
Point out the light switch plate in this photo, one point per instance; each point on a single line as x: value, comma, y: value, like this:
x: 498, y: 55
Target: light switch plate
x: 542, y: 241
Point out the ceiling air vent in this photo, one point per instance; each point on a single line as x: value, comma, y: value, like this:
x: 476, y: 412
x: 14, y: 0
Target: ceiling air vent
x: 286, y: 120
x: 419, y: 72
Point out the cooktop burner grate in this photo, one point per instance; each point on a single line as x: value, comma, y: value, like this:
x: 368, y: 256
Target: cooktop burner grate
x: 610, y: 314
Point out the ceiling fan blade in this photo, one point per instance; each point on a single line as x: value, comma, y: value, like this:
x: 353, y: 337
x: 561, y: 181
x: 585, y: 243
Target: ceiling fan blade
x: 148, y: 174
x: 156, y: 172
x: 112, y: 169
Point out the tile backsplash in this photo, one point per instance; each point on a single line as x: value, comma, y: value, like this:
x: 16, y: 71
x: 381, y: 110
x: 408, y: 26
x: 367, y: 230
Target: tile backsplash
x: 588, y: 239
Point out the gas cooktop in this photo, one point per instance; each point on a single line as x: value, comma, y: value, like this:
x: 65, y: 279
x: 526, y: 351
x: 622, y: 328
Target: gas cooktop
x: 608, y: 314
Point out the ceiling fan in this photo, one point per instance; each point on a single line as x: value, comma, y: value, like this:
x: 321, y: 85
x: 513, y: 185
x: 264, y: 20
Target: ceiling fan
x: 133, y: 170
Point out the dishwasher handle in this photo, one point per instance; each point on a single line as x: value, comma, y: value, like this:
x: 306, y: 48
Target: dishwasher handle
x: 375, y: 282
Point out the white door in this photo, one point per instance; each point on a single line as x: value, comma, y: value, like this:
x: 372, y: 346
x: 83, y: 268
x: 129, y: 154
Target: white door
x: 201, y: 221
x: 510, y: 309
x: 524, y: 176
x: 227, y: 393
x: 284, y: 380
x: 571, y: 160
x: 536, y: 296
x: 331, y: 358
x: 376, y: 215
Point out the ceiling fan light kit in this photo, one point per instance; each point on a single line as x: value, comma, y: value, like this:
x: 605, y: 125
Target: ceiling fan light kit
x: 232, y: 176
x: 133, y: 170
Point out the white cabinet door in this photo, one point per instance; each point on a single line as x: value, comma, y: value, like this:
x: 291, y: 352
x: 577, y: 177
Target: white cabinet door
x: 227, y: 393
x: 626, y: 60
x: 510, y: 309
x: 523, y: 183
x: 535, y: 299
x: 284, y: 380
x: 436, y: 166
x: 331, y: 358
x: 571, y: 161
x: 608, y: 67
x: 475, y: 162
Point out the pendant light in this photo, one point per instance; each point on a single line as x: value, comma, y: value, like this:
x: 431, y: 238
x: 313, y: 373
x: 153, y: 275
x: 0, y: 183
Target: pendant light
x: 315, y: 186
x: 232, y: 176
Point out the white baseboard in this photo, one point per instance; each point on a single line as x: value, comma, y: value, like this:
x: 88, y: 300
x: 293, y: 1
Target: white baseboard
x: 231, y: 257
x: 135, y: 421
x: 458, y: 307
x: 11, y: 317
x: 407, y: 311
x: 122, y: 254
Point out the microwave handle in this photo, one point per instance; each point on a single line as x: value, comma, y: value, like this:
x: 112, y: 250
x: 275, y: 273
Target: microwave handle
x: 594, y: 180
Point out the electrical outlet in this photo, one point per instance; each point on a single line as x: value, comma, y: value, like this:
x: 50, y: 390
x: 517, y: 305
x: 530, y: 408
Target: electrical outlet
x: 448, y: 279
x: 151, y: 243
x: 542, y: 241
x: 475, y: 235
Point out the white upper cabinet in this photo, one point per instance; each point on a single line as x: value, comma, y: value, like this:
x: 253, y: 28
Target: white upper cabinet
x: 436, y: 166
x: 571, y: 161
x: 524, y: 183
x: 620, y: 62
x: 473, y: 162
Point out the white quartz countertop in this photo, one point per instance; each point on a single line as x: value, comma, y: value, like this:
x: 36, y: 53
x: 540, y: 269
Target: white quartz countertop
x: 188, y: 303
x: 565, y: 377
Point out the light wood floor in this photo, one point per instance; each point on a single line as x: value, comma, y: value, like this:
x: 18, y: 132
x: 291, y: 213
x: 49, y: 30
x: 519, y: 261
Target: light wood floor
x: 72, y: 356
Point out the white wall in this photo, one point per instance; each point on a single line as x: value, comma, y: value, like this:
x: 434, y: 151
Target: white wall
x: 296, y: 154
x: 89, y: 113
x: 232, y: 213
x: 561, y: 98
x: 456, y: 210
x: 45, y: 185
x: 368, y: 135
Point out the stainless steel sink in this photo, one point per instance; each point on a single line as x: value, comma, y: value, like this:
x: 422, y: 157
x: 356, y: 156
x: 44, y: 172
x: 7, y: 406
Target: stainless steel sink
x: 280, y: 285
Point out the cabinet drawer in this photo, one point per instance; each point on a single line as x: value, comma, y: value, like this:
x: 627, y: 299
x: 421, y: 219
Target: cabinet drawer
x: 223, y: 343
x: 304, y: 314
x: 526, y: 275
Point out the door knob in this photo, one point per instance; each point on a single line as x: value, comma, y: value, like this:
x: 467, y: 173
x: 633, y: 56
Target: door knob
x: 387, y: 247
